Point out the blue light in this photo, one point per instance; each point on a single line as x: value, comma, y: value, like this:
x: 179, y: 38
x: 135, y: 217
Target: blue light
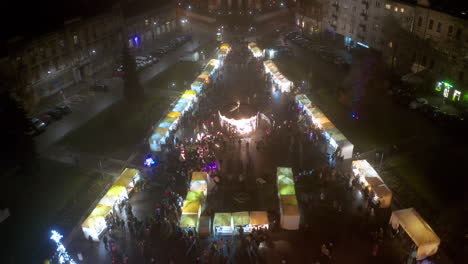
x: 362, y: 44
x: 149, y: 161
x: 136, y: 40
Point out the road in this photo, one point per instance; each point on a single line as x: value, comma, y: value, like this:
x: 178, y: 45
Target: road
x: 85, y: 107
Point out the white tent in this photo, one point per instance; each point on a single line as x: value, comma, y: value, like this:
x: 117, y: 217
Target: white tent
x: 289, y: 211
x: 418, y: 230
x: 371, y: 180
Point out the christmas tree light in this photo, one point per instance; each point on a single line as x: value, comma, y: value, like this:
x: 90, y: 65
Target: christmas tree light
x: 62, y: 254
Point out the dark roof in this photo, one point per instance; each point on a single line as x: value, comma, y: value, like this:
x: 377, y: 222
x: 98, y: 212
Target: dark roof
x: 135, y: 7
x: 458, y: 8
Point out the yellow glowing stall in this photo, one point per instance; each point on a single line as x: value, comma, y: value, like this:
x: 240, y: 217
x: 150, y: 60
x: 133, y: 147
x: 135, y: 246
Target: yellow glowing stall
x: 95, y: 224
x: 289, y: 212
x: 222, y: 223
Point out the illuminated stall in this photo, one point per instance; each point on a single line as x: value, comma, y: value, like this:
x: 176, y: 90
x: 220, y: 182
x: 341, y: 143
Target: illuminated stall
x: 224, y: 50
x: 199, y: 182
x: 279, y: 81
x: 198, y: 85
x: 161, y: 132
x: 195, y: 196
x: 241, y: 219
x: 95, y: 224
x: 418, y: 230
x: 189, y: 221
x: 289, y: 212
x: 211, y: 67
x: 371, y: 180
x: 222, y: 223
x: 256, y: 52
x: 283, y: 172
x: 286, y: 186
x: 191, y: 207
x: 333, y: 135
x: 259, y: 219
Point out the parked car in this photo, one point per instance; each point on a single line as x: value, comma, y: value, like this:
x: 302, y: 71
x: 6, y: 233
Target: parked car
x: 54, y: 113
x: 100, y: 88
x: 35, y: 126
x: 64, y: 109
x: 47, y: 119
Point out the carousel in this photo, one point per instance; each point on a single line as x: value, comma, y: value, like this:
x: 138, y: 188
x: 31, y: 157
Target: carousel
x: 238, y: 118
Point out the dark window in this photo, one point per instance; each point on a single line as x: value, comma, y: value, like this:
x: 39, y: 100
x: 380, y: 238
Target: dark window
x: 419, y: 21
x: 450, y: 31
x: 458, y: 35
x: 431, y: 23
x: 431, y: 64
x: 423, y: 61
x: 377, y: 4
x: 439, y: 27
x: 460, y: 76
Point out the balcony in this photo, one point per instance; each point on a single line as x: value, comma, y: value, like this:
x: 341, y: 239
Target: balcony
x: 365, y: 3
x: 364, y: 15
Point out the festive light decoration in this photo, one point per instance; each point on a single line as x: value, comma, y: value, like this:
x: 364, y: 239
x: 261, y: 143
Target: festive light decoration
x: 62, y: 254
x: 149, y: 161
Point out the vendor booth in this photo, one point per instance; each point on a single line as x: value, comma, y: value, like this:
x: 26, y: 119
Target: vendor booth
x: 289, y: 212
x: 128, y: 178
x: 256, y: 52
x: 222, y: 223
x: 198, y: 85
x: 336, y: 140
x: 370, y: 179
x: 418, y: 230
x: 191, y: 207
x: 279, y: 81
x: 195, y: 196
x: 95, y: 224
x: 224, y: 49
x: 259, y: 219
x: 241, y: 219
x: 189, y: 221
x: 286, y: 186
x: 283, y: 172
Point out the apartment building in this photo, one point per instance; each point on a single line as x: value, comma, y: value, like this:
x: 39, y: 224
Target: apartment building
x: 46, y: 64
x: 410, y: 34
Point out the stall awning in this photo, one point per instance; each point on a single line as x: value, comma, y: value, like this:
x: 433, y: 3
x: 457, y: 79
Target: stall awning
x: 199, y: 176
x: 97, y: 216
x: 174, y: 114
x: 126, y: 177
x: 195, y: 196
x: 191, y: 207
x: 188, y: 220
x: 117, y: 190
x: 241, y: 218
x: 418, y: 229
x: 161, y: 130
x: 286, y: 172
x: 259, y: 218
x: 384, y: 194
x: 286, y: 189
x: 200, y: 186
x: 222, y: 219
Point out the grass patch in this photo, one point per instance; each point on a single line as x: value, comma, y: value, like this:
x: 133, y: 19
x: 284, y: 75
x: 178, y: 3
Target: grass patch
x: 177, y: 74
x: 51, y: 187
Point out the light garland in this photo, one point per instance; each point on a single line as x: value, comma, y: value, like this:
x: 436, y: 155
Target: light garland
x: 63, y: 256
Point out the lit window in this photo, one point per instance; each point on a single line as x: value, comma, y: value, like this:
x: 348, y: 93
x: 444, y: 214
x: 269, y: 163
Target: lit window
x: 146, y: 22
x: 402, y: 10
x: 75, y: 39
x: 387, y: 6
x: 396, y: 9
x: 446, y: 92
x: 390, y: 44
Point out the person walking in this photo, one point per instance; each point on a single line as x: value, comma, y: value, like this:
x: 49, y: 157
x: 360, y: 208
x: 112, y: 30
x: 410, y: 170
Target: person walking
x: 105, y: 240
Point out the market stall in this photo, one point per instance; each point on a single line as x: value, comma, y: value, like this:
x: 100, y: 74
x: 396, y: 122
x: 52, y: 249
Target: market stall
x: 189, y: 221
x: 283, y: 172
x: 286, y: 186
x: 289, y: 212
x: 256, y: 52
x: 279, y: 81
x: 128, y: 178
x: 95, y: 224
x: 198, y: 85
x: 195, y: 196
x: 224, y: 49
x: 241, y: 219
x: 259, y: 219
x: 418, y: 230
x: 371, y: 180
x: 222, y: 223
x: 191, y: 207
x: 336, y: 140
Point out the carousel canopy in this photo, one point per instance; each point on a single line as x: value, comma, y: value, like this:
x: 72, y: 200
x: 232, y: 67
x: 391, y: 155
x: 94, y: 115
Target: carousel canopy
x: 194, y: 196
x: 188, y: 220
x: 259, y: 218
x: 238, y: 111
x: 191, y: 207
x: 241, y: 218
x: 418, y: 230
x: 222, y: 219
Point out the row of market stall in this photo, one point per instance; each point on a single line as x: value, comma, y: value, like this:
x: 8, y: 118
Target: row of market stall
x: 187, y: 100
x: 336, y: 141
x: 194, y: 201
x: 256, y: 51
x: 289, y: 208
x: 95, y: 223
x: 278, y: 80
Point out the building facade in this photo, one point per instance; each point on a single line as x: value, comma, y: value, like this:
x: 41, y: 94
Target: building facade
x: 410, y: 34
x: 49, y: 63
